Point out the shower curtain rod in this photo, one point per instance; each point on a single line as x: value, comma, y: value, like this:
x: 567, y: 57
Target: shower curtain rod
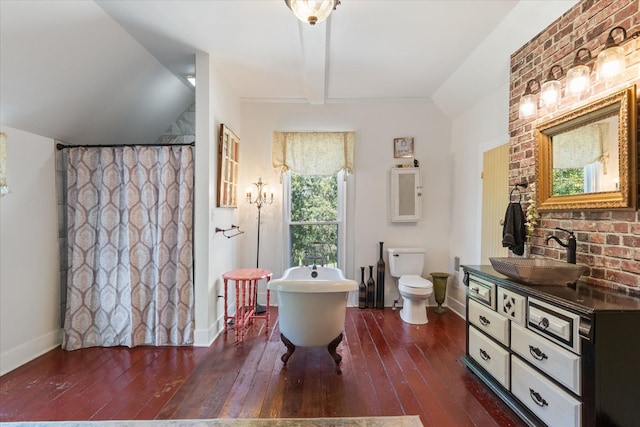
x: 60, y: 146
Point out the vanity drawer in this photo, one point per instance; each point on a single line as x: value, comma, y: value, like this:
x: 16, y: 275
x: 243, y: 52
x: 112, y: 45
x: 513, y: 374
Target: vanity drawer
x: 482, y: 290
x: 559, y: 363
x: 493, y: 358
x: 489, y: 321
x: 511, y: 305
x: 549, y: 402
x: 554, y: 323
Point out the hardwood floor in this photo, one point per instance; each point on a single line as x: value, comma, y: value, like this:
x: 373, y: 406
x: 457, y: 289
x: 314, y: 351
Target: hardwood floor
x: 388, y: 368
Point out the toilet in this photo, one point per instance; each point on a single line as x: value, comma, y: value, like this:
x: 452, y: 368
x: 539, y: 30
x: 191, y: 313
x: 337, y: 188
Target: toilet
x: 405, y: 265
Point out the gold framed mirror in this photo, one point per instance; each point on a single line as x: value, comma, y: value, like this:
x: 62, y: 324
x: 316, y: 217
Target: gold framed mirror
x: 586, y: 159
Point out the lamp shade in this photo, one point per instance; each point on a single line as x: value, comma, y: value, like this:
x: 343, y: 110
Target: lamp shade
x: 611, y: 63
x: 528, y: 106
x: 578, y: 80
x: 529, y: 101
x: 312, y: 11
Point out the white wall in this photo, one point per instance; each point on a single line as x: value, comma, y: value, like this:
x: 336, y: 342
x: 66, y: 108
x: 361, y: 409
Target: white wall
x: 482, y: 127
x: 375, y: 124
x: 29, y: 279
x: 216, y: 103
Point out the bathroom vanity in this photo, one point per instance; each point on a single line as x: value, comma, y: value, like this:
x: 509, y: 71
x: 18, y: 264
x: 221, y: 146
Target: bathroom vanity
x: 557, y: 355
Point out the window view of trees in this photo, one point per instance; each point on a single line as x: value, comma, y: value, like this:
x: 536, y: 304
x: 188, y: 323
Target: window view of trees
x: 568, y: 181
x: 314, y: 220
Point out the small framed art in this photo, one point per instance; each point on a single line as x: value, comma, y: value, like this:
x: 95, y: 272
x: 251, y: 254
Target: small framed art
x: 402, y: 147
x: 228, y: 168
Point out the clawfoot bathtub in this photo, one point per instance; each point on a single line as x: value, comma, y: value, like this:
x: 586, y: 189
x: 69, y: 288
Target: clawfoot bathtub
x: 312, y: 304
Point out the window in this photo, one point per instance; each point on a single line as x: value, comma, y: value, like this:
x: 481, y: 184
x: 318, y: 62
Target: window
x: 315, y: 225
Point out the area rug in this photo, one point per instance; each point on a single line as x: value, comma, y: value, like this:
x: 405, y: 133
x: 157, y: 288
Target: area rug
x: 402, y: 421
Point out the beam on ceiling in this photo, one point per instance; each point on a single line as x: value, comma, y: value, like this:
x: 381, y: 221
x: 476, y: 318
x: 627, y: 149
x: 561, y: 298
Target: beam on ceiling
x: 314, y: 40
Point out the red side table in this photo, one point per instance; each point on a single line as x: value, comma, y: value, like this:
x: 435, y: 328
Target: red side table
x: 246, y: 280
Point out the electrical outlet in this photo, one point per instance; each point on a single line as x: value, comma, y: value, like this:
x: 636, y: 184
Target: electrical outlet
x: 456, y: 263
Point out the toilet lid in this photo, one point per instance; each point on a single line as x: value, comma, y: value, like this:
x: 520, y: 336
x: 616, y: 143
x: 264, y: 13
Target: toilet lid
x: 413, y: 281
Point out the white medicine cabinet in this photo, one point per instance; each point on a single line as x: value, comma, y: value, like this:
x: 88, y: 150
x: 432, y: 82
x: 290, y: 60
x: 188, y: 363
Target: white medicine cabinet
x: 406, y: 195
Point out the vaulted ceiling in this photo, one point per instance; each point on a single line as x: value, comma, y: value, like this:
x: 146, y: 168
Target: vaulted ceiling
x: 109, y: 71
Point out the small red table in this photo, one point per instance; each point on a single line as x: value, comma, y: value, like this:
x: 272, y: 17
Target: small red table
x: 246, y: 284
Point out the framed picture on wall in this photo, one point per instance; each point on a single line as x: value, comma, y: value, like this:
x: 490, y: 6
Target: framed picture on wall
x: 228, y: 149
x: 402, y: 147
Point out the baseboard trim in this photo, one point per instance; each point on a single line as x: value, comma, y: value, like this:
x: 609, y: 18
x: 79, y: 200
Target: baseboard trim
x: 26, y: 352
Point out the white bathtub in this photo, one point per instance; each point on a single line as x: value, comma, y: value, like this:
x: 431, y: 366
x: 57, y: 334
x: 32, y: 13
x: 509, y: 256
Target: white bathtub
x: 311, y: 310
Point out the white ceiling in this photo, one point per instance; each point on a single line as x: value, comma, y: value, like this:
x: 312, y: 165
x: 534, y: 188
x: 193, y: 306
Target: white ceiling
x: 105, y: 71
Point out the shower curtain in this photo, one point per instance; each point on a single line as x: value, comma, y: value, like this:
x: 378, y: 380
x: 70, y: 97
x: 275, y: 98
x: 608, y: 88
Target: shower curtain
x: 130, y: 259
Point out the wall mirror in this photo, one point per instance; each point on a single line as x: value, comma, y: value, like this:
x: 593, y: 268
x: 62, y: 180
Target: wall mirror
x: 586, y: 159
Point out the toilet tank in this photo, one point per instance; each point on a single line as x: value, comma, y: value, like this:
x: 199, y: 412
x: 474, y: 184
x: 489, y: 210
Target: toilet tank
x: 403, y: 261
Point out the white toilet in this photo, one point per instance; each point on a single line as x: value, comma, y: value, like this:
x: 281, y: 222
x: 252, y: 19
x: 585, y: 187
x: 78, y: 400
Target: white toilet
x: 405, y: 264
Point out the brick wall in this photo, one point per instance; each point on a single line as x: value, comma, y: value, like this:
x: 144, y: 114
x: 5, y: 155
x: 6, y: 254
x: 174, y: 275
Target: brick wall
x: 608, y: 241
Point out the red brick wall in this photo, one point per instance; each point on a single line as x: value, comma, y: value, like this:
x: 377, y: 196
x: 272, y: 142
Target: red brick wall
x: 608, y: 241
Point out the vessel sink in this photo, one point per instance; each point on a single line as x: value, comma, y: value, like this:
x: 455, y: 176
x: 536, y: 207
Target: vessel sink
x: 538, y: 271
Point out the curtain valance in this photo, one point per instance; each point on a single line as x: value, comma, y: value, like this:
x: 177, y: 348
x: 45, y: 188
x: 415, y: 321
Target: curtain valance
x: 313, y: 153
x: 582, y: 146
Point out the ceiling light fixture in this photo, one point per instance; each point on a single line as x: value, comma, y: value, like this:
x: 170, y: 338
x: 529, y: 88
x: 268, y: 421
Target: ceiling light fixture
x: 312, y: 11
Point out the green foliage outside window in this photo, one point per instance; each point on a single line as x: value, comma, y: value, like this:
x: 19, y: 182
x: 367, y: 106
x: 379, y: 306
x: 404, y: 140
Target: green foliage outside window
x: 568, y: 181
x: 314, y: 199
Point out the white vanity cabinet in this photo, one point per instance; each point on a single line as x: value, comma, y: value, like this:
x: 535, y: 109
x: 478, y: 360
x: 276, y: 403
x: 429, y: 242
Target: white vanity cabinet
x: 557, y: 355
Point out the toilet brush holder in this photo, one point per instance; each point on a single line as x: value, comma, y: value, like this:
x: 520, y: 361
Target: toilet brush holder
x: 440, y: 290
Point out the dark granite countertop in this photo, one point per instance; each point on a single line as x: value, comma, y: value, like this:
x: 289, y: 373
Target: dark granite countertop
x: 584, y: 298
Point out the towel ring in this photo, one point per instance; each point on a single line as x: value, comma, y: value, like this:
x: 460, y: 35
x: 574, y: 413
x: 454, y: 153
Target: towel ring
x: 515, y: 188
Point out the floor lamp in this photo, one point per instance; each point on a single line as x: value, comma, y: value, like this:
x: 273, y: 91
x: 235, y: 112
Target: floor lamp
x: 260, y: 200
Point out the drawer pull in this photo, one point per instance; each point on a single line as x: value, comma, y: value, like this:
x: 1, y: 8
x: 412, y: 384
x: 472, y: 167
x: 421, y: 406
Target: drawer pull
x: 544, y: 323
x: 537, y: 353
x: 475, y: 289
x: 537, y: 398
x: 483, y: 320
x: 484, y: 355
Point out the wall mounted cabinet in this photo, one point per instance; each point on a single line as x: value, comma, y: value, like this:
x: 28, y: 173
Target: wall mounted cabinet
x: 406, y: 195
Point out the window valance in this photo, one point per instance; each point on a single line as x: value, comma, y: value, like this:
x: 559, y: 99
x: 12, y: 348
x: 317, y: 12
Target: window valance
x: 582, y: 146
x: 313, y: 153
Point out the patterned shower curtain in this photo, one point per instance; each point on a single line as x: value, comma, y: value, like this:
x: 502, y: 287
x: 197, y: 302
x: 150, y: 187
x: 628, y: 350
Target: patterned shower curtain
x: 130, y: 259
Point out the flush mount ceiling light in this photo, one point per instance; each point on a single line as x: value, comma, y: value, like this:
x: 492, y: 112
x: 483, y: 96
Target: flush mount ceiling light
x: 312, y: 11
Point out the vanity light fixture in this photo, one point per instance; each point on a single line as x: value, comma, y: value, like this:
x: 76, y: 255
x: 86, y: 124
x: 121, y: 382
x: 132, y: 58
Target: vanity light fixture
x: 611, y: 61
x: 312, y: 11
x: 551, y: 89
x: 529, y: 100
x: 579, y: 75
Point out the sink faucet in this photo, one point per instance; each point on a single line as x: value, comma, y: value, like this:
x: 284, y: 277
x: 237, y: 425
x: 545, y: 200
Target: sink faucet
x: 570, y: 245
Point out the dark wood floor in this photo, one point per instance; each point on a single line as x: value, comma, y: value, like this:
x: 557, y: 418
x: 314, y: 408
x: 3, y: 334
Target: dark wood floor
x: 388, y: 368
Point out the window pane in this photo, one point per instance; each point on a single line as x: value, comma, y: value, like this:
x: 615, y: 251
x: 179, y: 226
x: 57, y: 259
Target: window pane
x: 314, y: 244
x: 314, y: 198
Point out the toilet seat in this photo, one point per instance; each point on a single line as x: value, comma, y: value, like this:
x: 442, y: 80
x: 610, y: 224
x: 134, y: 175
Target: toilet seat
x: 415, y: 281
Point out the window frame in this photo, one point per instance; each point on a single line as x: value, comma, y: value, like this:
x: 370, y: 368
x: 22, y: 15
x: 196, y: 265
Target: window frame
x: 340, y: 220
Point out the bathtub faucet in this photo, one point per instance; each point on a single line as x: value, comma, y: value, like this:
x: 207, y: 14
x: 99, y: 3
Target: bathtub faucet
x: 570, y: 245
